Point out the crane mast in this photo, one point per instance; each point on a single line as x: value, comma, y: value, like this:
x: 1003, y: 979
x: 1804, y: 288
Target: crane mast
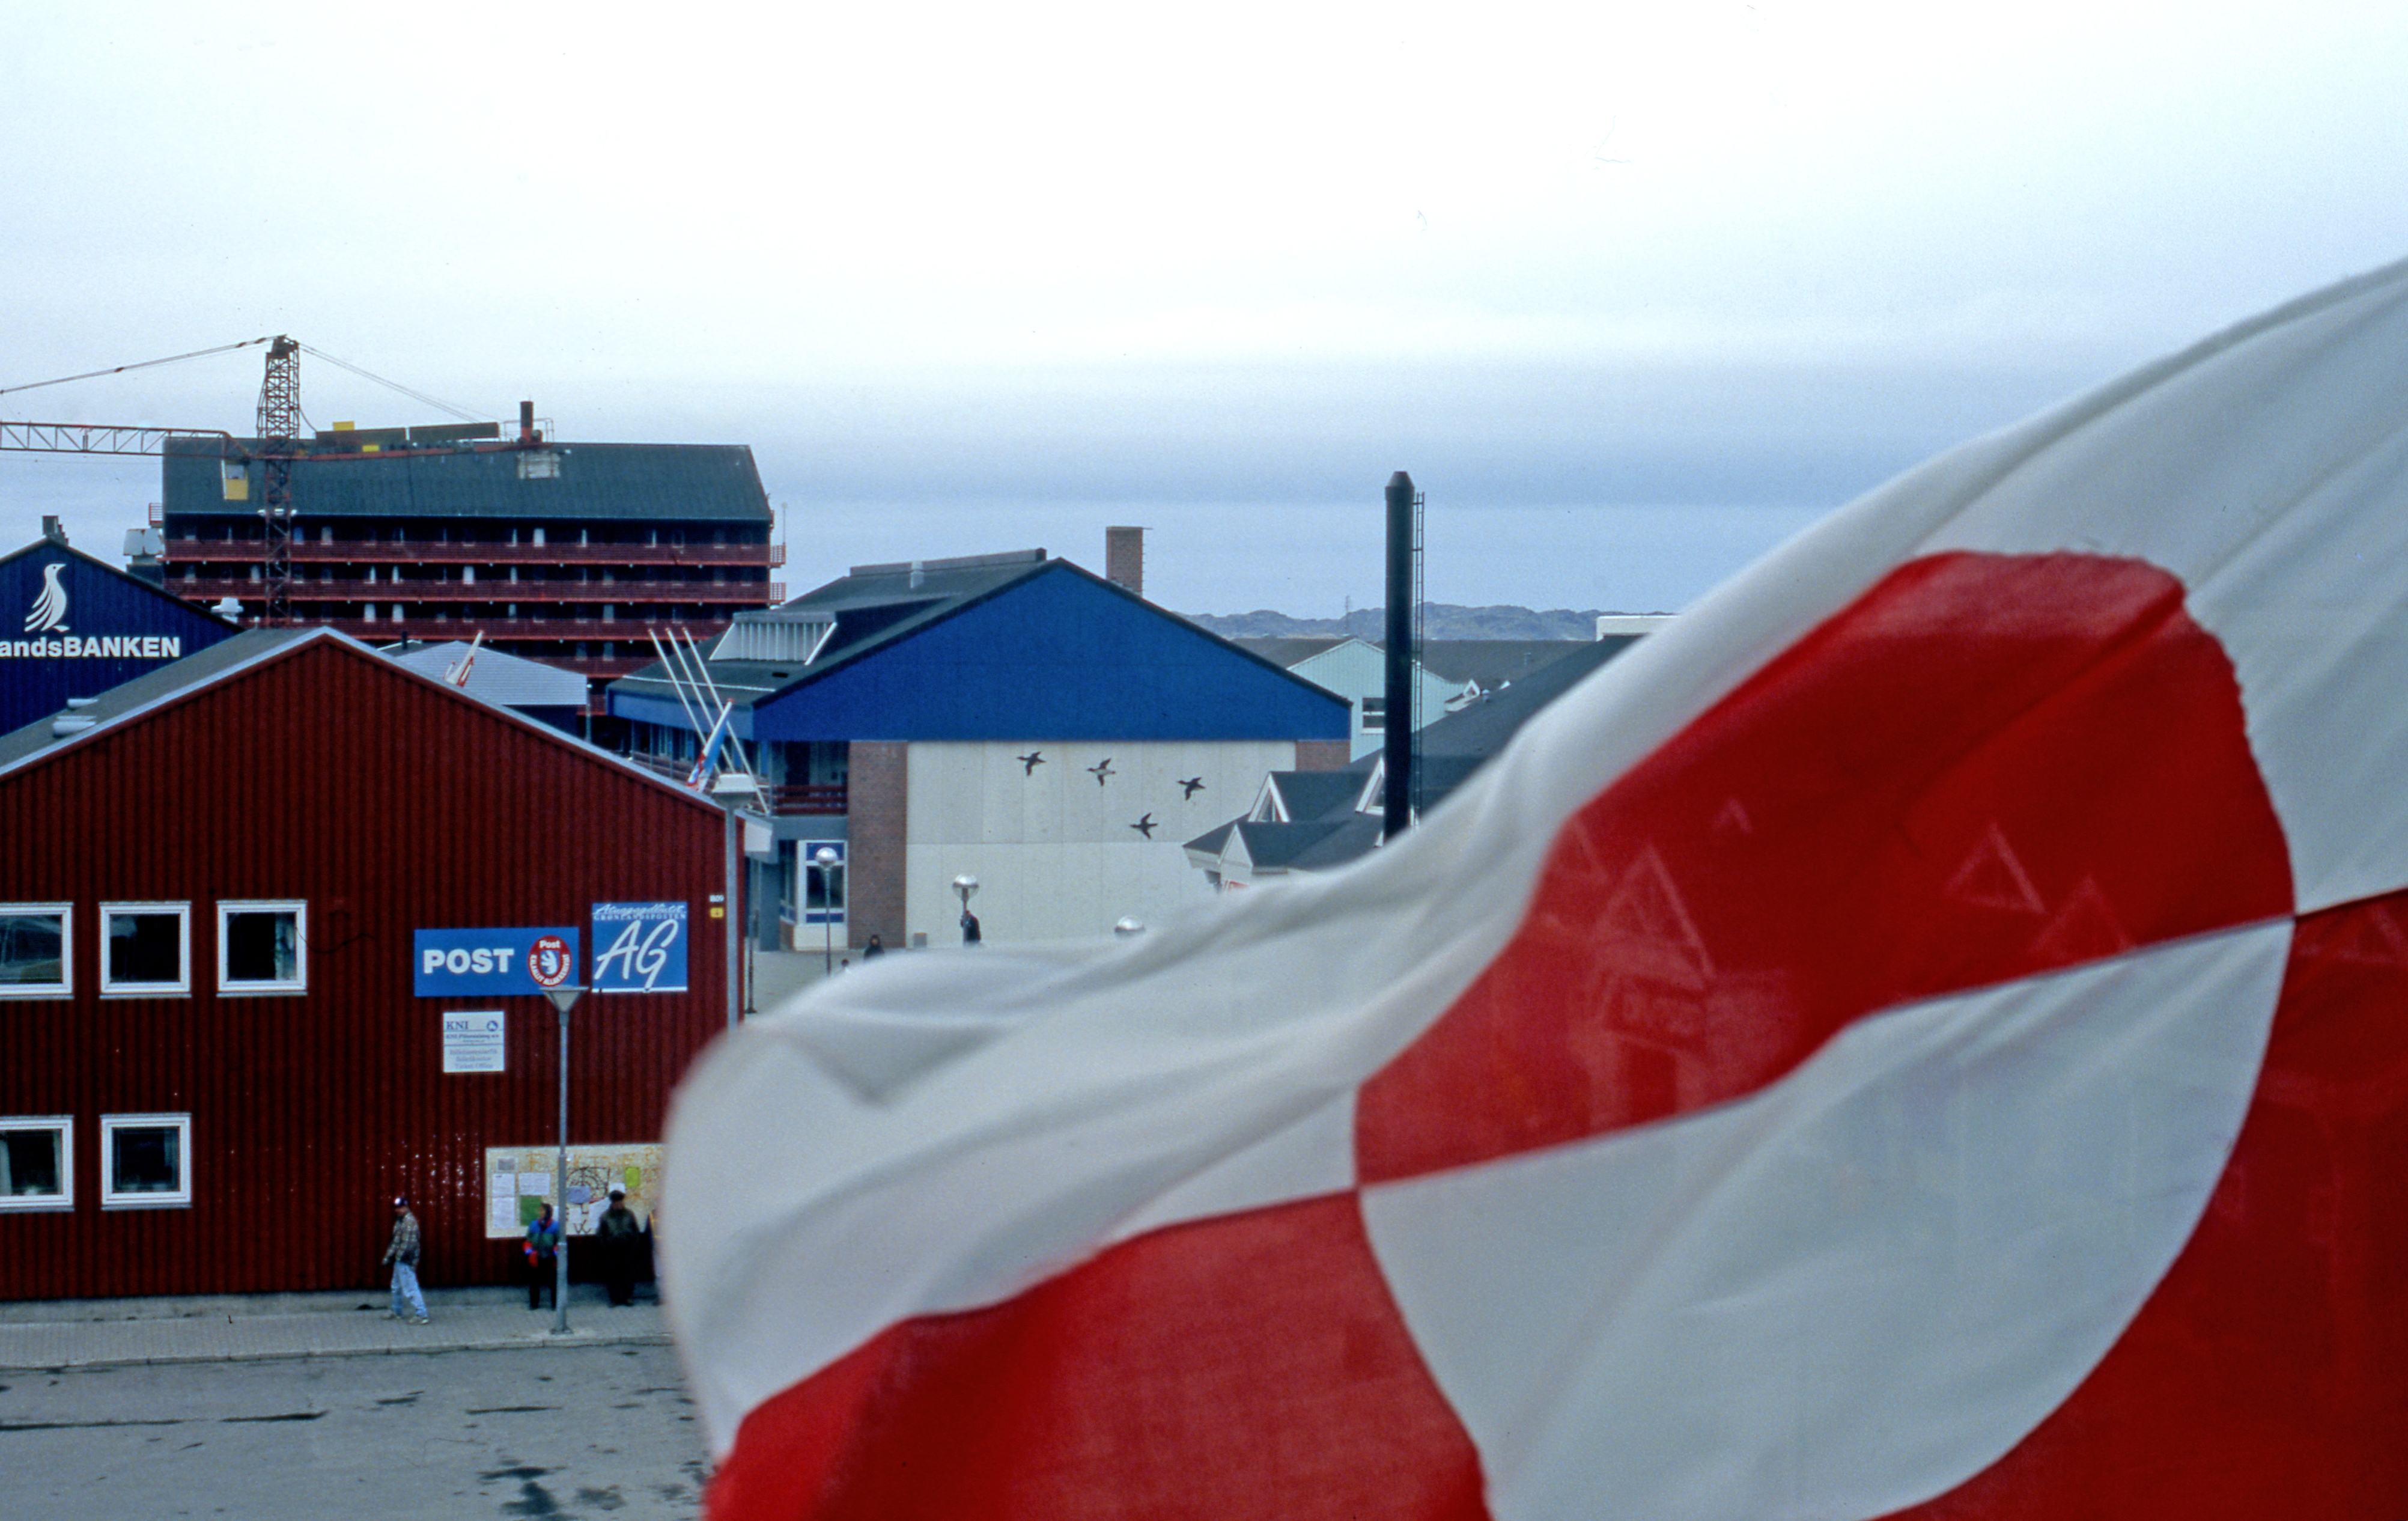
x: 279, y: 443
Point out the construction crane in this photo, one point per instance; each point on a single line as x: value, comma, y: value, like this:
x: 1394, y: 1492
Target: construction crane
x: 276, y: 444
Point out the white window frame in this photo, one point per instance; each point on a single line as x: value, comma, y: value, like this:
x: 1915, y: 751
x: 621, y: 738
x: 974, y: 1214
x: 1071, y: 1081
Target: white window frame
x: 65, y: 987
x: 182, y: 986
x: 299, y: 908
x: 181, y: 1199
x: 64, y: 1125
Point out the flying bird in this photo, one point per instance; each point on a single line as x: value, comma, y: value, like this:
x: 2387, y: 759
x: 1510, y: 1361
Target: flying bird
x: 1030, y: 762
x: 1193, y: 784
x: 1101, y: 771
x: 1144, y: 825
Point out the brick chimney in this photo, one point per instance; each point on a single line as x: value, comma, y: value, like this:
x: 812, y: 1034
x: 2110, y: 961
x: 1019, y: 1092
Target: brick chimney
x: 1125, y: 558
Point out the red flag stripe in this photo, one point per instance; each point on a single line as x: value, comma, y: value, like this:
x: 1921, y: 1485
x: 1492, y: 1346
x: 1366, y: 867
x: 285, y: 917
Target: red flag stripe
x: 1300, y: 1396
x: 1985, y: 767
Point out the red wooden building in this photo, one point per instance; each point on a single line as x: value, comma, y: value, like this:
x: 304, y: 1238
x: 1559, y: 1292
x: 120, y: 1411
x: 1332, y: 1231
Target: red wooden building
x: 218, y: 888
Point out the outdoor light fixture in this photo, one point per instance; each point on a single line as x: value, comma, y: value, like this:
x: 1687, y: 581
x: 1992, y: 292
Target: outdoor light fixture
x: 564, y: 1000
x: 825, y: 859
x: 965, y: 886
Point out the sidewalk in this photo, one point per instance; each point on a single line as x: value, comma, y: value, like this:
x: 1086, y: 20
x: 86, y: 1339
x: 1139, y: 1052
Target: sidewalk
x: 115, y: 1333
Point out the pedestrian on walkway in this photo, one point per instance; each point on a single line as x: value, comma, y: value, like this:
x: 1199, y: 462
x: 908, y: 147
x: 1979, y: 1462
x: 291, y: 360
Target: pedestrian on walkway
x: 408, y: 1302
x: 542, y: 1250
x: 875, y: 948
x: 623, y: 1241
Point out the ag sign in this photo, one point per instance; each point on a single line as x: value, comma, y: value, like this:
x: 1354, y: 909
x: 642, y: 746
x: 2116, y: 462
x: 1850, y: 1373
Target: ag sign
x: 487, y: 963
x: 638, y: 947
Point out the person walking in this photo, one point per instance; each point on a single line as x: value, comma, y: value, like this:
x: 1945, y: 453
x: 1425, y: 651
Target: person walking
x: 875, y: 948
x: 621, y: 1239
x: 403, y: 1255
x: 542, y: 1252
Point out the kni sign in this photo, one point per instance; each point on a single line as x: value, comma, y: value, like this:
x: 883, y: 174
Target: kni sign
x: 639, y: 947
x: 485, y: 963
x: 472, y: 1041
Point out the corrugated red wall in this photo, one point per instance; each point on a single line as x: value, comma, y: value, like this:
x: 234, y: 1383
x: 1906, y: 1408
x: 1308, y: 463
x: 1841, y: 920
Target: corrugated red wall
x: 390, y: 804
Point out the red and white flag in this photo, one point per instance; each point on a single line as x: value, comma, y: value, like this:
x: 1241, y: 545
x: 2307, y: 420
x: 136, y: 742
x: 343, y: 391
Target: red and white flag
x: 1926, y: 1033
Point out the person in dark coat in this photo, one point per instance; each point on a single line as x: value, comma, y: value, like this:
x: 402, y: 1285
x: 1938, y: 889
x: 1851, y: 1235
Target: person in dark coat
x: 875, y: 948
x: 621, y: 1239
x: 542, y: 1252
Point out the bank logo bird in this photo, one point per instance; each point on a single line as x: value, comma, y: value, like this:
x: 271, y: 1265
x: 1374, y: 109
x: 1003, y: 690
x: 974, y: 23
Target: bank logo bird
x: 1144, y: 825
x: 1192, y: 786
x: 49, y: 614
x: 1102, y: 771
x: 1030, y: 762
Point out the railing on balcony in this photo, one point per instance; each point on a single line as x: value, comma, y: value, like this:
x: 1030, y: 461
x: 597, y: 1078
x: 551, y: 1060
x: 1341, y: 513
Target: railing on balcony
x: 505, y: 632
x: 824, y: 798
x: 821, y: 798
x: 622, y: 592
x: 427, y: 552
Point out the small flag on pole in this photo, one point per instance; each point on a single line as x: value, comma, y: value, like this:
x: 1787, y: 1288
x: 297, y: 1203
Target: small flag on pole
x: 1925, y: 1034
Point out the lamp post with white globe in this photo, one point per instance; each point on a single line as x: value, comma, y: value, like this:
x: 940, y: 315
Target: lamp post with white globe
x: 826, y: 858
x: 965, y: 886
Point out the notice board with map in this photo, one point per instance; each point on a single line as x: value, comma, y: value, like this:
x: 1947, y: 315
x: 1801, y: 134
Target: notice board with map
x: 519, y: 1178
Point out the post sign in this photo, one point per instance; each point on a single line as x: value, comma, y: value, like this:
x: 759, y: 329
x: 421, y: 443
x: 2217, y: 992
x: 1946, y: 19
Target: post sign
x: 472, y: 1042
x: 491, y: 963
x: 639, y: 947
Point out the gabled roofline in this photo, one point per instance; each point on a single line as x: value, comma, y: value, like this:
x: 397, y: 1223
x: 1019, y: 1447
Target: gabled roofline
x: 908, y: 628
x: 124, y: 575
x: 288, y: 649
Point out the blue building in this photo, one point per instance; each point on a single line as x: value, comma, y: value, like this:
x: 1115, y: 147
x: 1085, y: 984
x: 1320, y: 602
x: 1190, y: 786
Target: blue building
x: 74, y: 626
x: 1009, y: 717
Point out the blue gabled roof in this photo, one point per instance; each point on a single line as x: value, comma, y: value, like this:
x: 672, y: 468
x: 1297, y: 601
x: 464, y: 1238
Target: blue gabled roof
x: 1004, y: 648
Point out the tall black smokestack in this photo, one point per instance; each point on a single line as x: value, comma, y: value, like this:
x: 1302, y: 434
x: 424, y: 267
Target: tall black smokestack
x: 1397, y: 744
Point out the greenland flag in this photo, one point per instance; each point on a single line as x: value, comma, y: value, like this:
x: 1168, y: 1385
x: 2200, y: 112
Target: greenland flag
x: 1925, y: 1034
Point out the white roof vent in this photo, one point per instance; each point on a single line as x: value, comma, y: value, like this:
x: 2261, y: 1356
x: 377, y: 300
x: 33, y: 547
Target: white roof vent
x: 792, y: 635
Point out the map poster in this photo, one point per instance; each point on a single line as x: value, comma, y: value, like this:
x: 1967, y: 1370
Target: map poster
x: 518, y: 1179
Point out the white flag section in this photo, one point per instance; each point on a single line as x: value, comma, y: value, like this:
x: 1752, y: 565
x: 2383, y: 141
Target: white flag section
x: 1920, y: 1035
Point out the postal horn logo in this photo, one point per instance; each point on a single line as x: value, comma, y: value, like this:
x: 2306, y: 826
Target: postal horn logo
x: 49, y: 614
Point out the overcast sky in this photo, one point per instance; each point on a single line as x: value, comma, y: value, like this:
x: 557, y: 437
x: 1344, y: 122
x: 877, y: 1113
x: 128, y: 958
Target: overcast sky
x: 1632, y: 290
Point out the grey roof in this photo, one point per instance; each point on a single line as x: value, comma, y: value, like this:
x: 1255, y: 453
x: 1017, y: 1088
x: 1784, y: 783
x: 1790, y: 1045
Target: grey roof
x: 152, y: 686
x: 1312, y: 794
x: 1285, y: 652
x: 1325, y: 831
x: 507, y: 681
x: 1490, y: 662
x: 1478, y: 731
x: 689, y: 483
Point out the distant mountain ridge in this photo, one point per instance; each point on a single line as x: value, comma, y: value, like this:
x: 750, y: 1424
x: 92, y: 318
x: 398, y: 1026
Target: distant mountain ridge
x: 1444, y: 621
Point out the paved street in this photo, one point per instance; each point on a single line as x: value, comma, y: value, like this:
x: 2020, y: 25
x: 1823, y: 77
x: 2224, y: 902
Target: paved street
x: 596, y: 1427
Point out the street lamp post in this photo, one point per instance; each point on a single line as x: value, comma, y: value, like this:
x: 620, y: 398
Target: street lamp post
x: 965, y: 886
x: 564, y: 1000
x: 826, y: 857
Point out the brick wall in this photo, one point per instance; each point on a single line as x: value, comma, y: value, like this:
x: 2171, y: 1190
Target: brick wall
x: 877, y: 805
x: 1322, y: 755
x: 1125, y: 558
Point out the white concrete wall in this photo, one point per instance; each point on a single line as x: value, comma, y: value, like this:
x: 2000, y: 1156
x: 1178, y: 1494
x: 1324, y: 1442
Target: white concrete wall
x: 1054, y: 852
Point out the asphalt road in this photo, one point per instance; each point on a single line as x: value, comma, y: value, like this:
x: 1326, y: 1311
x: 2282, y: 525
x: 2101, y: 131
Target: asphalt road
x: 588, y: 1432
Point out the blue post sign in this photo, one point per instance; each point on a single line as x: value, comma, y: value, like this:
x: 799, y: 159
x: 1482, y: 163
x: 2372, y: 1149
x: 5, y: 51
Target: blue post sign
x: 639, y: 947
x: 488, y: 963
